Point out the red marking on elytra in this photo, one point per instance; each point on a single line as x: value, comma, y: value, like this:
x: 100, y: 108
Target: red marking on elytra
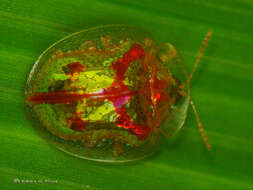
x: 123, y: 119
x: 118, y: 94
x: 64, y: 97
x: 55, y: 97
x: 76, y: 122
x: 122, y: 64
x: 75, y: 67
x: 158, y: 87
x: 120, y: 67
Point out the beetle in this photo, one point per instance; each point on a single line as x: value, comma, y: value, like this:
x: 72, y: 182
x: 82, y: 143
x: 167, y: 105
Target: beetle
x: 105, y: 93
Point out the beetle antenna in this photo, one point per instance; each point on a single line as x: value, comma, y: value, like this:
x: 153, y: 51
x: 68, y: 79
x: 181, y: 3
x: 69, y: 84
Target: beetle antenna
x: 199, y: 55
x: 200, y: 126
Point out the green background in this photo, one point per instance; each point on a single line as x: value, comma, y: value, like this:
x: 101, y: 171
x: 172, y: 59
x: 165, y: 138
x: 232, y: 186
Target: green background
x: 221, y: 88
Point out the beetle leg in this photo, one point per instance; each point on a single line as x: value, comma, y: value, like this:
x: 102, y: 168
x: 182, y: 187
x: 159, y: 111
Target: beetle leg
x: 200, y: 126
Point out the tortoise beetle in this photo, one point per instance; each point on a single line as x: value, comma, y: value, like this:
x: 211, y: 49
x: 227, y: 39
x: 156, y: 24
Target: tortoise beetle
x: 107, y: 93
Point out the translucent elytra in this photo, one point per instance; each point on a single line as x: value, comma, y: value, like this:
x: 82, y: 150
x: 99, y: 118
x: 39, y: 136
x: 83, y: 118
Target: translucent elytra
x: 106, y: 93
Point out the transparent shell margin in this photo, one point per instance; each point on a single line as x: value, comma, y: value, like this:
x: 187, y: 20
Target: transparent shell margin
x: 177, y: 67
